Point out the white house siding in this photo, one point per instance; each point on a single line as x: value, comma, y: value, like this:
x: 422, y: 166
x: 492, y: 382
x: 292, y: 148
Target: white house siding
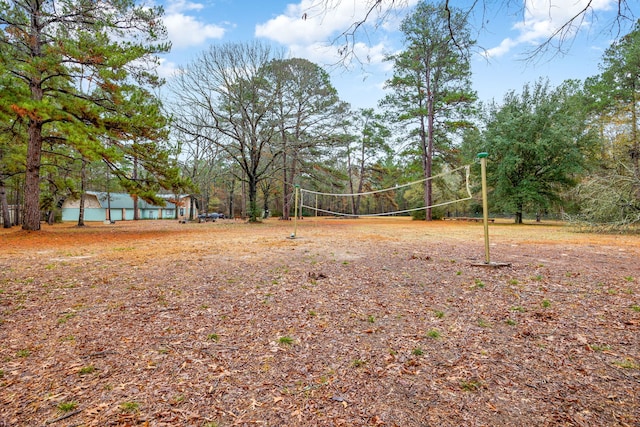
x: 13, y: 209
x: 90, y: 214
x: 90, y: 201
x: 121, y: 208
x: 115, y: 214
x: 149, y: 213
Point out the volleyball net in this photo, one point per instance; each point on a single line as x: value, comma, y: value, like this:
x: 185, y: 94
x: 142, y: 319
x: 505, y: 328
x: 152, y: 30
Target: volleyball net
x: 447, y: 188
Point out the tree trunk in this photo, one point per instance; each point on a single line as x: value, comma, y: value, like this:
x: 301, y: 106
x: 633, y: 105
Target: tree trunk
x: 17, y: 208
x: 81, y: 211
x: 519, y: 214
x: 83, y: 179
x: 428, y: 197
x: 232, y: 193
x: 518, y: 218
x: 635, y: 150
x: 286, y: 185
x: 354, y: 203
x: 361, y: 172
x: 31, y: 219
x: 266, y: 189
x: 425, y: 167
x: 243, y: 190
x: 136, y: 214
x: 108, y: 216
x: 253, y: 196
x: 6, y: 216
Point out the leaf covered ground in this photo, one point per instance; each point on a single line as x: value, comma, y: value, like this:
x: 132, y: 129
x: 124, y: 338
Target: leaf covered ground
x: 382, y: 322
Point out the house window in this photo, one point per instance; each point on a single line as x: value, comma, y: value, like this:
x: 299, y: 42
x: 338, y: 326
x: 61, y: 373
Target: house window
x: 181, y: 211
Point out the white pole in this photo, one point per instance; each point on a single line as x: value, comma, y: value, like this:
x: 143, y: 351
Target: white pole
x: 485, y: 209
x: 295, y: 212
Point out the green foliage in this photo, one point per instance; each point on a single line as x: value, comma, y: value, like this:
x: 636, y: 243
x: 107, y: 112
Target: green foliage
x: 285, y: 340
x: 310, y: 116
x: 609, y: 199
x: 472, y: 385
x: 433, y: 333
x: 87, y: 370
x: 538, y: 144
x: 608, y: 202
x: 130, y: 407
x: 265, y: 113
x: 67, y: 406
x: 628, y: 363
x: 431, y: 86
x: 598, y: 347
x: 79, y: 77
x: 357, y: 363
x: 483, y: 323
x: 62, y: 320
x: 365, y: 153
x: 617, y: 85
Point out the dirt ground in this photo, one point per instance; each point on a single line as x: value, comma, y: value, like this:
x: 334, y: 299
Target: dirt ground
x: 382, y: 322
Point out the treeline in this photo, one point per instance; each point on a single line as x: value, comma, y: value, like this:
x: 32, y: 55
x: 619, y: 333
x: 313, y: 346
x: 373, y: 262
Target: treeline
x: 78, y: 109
x: 244, y: 125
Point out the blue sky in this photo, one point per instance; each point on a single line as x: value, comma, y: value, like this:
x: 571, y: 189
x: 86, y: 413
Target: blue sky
x: 506, y: 31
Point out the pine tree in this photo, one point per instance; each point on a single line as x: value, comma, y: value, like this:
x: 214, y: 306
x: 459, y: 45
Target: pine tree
x: 539, y: 146
x: 81, y: 68
x: 431, y: 83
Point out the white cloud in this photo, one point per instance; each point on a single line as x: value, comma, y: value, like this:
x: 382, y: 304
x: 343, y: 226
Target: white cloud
x: 308, y: 22
x: 185, y: 30
x: 324, y: 53
x: 500, y: 50
x: 179, y: 6
x: 167, y: 69
x: 543, y: 18
x: 310, y: 27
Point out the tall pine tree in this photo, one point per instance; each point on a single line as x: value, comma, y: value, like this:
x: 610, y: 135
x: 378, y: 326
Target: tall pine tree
x: 81, y: 69
x: 431, y: 85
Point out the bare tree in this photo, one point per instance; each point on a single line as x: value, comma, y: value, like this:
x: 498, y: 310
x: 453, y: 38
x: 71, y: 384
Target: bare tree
x: 368, y: 145
x: 307, y: 112
x: 377, y: 12
x: 200, y: 164
x: 222, y: 98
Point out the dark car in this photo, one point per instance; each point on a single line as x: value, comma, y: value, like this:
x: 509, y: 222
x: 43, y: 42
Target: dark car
x: 204, y: 217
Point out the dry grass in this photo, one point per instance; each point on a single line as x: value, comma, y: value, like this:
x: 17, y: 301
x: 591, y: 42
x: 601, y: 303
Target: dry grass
x: 355, y: 322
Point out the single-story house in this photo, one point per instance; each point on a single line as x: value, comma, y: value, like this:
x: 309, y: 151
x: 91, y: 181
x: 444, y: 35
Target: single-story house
x: 102, y: 206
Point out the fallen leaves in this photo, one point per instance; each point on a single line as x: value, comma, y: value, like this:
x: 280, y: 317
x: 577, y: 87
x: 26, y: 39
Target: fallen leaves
x: 357, y: 305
